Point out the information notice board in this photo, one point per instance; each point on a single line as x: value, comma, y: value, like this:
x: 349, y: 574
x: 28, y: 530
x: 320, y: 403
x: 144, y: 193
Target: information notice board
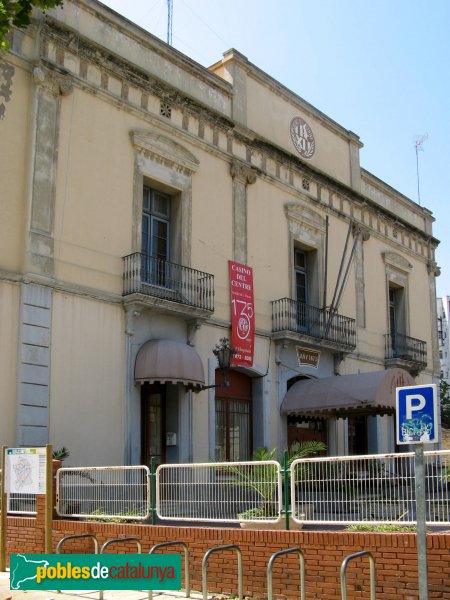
x: 25, y: 470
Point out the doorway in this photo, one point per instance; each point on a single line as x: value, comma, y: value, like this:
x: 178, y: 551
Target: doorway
x: 234, y: 417
x: 153, y: 434
x: 357, y: 435
x: 306, y: 431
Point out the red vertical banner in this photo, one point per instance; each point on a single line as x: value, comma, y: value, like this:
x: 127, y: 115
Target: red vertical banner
x: 242, y: 313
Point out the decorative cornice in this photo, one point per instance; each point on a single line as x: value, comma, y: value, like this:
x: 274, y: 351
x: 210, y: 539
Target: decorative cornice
x: 66, y: 86
x: 242, y: 172
x: 397, y: 261
x: 363, y: 232
x: 325, y: 181
x: 301, y: 213
x: 133, y: 75
x: 154, y: 143
x: 119, y: 68
x: 52, y: 81
x: 432, y: 267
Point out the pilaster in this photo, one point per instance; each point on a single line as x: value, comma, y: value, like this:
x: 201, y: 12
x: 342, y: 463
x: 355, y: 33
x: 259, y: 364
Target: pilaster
x: 433, y: 272
x: 47, y: 93
x: 33, y: 386
x: 242, y: 177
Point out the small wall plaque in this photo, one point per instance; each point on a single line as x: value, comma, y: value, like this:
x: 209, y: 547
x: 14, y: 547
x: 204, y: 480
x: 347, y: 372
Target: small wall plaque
x: 307, y: 357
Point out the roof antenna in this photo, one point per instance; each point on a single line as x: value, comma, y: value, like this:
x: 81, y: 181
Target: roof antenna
x: 418, y: 143
x: 169, y: 21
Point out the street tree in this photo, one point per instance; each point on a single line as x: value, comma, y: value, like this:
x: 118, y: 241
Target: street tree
x: 18, y: 13
x: 445, y: 403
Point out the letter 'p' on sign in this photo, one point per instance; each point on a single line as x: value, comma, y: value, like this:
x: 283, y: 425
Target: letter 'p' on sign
x: 416, y: 414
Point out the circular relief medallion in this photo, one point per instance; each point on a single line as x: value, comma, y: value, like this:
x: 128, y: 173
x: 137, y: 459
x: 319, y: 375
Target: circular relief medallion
x: 302, y: 137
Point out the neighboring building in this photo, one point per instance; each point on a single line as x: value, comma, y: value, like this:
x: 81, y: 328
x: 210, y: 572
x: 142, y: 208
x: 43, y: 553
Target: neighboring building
x: 130, y: 177
x: 443, y: 339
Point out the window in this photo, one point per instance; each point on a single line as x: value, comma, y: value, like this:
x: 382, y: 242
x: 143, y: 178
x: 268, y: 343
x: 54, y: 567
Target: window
x: 232, y: 429
x: 440, y: 330
x: 397, y: 286
x: 234, y: 418
x: 392, y: 315
x: 155, y: 236
x: 301, y: 288
x: 397, y: 324
x: 301, y: 276
x: 306, y: 289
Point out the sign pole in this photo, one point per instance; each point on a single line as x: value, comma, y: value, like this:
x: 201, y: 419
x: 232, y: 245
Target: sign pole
x: 49, y: 499
x: 419, y: 470
x: 3, y: 516
x: 417, y: 423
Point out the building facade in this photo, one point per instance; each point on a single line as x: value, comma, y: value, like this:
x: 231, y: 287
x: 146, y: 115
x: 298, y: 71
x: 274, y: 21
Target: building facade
x: 443, y: 339
x: 136, y: 177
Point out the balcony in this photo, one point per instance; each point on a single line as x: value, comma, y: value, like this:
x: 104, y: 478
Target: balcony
x: 297, y: 321
x: 172, y: 288
x: 405, y: 352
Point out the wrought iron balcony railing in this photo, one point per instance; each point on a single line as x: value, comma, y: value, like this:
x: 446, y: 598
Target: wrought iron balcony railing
x: 319, y: 323
x: 160, y: 278
x: 406, y: 348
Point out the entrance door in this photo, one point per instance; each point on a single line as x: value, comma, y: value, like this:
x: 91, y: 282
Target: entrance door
x: 153, y: 401
x: 357, y: 435
x: 306, y: 431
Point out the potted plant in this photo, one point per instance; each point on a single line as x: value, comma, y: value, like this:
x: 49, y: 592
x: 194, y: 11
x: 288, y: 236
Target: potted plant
x: 263, y: 483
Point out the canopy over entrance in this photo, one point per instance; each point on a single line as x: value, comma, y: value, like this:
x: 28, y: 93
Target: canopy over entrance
x: 343, y: 396
x: 168, y: 361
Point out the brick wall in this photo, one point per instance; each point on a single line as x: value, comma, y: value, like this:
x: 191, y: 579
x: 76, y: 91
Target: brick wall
x: 395, y: 556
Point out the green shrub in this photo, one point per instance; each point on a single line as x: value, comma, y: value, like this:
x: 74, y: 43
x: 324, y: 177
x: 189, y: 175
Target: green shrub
x: 382, y: 528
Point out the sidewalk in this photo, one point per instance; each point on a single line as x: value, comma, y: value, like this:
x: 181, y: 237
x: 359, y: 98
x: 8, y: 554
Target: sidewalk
x: 6, y: 593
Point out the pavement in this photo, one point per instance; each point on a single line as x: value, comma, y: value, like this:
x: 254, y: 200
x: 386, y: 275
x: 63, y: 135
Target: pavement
x: 7, y: 594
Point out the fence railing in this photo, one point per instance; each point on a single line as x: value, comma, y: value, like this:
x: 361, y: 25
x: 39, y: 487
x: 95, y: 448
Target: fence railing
x: 378, y: 489
x: 20, y: 504
x: 104, y: 492
x: 319, y: 323
x: 405, y: 347
x: 152, y: 276
x: 227, y: 491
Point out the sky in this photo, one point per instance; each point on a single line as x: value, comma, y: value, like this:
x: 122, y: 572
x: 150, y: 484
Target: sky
x: 380, y: 68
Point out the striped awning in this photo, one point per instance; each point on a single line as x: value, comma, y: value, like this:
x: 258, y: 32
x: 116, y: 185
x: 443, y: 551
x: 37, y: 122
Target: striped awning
x: 168, y: 361
x: 370, y: 393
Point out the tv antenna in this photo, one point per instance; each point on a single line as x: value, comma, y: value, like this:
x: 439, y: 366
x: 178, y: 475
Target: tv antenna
x: 418, y: 143
x: 169, y: 21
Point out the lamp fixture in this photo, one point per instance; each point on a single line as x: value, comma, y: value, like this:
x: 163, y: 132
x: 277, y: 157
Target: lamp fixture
x: 224, y: 353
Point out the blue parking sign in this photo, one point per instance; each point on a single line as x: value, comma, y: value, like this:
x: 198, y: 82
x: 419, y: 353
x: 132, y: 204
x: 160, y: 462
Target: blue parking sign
x: 416, y: 414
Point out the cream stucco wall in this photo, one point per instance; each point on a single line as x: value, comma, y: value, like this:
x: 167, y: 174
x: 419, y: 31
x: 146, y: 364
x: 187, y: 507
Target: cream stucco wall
x: 94, y: 193
x: 9, y: 329
x: 334, y: 145
x: 331, y: 154
x: 212, y: 213
x: 267, y: 251
x: 87, y: 380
